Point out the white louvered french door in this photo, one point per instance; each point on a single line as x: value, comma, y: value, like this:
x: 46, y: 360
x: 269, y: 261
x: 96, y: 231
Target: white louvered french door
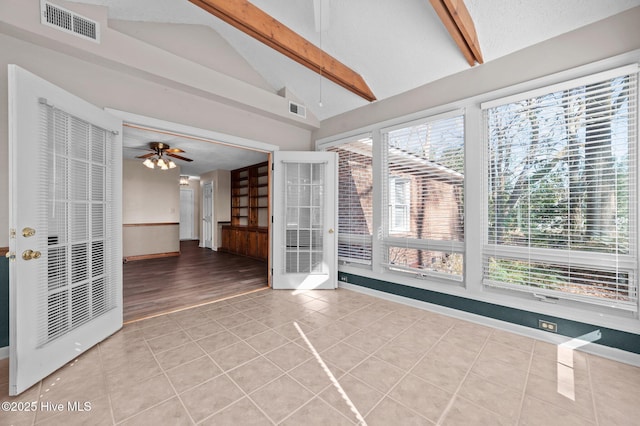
x: 65, y: 217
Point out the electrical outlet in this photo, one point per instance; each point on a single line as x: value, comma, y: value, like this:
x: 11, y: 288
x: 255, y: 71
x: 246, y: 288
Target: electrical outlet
x: 548, y: 326
x: 343, y: 278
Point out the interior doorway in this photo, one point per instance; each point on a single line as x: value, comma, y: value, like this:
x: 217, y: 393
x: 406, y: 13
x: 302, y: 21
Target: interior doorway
x: 201, y: 272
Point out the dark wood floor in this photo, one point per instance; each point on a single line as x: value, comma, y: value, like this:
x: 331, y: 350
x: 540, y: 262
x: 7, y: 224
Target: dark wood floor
x: 195, y: 277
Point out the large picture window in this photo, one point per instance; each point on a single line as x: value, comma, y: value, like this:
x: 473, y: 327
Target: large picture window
x: 560, y: 191
x: 423, y: 186
x: 355, y: 200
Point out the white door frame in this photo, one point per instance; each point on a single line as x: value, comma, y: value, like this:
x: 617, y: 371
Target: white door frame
x: 203, y: 135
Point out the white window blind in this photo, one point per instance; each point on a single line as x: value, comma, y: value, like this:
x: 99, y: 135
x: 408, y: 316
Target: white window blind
x: 355, y: 200
x: 78, y: 186
x: 561, y: 191
x: 425, y: 158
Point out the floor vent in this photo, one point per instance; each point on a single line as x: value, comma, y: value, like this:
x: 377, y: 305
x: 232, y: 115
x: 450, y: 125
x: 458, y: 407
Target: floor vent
x: 65, y: 20
x: 297, y: 109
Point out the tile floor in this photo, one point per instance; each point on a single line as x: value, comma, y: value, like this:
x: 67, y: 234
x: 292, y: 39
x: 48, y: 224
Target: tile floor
x: 248, y: 361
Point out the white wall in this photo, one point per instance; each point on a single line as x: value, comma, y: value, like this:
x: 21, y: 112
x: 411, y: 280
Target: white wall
x: 609, y: 37
x: 127, y: 88
x: 149, y: 196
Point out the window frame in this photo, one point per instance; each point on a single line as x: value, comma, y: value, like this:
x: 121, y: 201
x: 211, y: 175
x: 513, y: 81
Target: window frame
x: 393, y: 204
x: 567, y: 257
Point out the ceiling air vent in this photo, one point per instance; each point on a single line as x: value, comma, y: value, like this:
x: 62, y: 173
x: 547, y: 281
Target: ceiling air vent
x: 297, y: 109
x: 68, y: 21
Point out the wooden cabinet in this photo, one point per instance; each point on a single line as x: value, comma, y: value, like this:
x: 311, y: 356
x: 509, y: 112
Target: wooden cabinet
x: 248, y: 233
x: 250, y: 241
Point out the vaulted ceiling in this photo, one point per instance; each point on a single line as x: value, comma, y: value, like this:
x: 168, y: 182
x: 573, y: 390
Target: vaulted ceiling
x: 394, y: 45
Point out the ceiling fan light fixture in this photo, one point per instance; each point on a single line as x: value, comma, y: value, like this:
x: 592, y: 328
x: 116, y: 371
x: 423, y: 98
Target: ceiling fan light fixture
x: 149, y: 163
x: 172, y: 165
x: 162, y: 164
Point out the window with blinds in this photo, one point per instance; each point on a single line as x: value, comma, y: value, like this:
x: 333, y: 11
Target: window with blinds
x: 355, y: 200
x: 561, y: 185
x: 423, y: 191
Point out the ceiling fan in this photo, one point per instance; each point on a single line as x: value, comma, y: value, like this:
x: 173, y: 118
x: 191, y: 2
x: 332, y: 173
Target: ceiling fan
x: 158, y: 154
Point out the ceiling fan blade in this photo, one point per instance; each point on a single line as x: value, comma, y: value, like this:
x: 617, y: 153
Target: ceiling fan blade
x: 179, y: 157
x: 151, y: 154
x: 174, y: 150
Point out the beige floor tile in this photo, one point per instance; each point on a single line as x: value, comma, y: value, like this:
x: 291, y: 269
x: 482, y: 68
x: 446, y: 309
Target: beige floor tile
x: 389, y: 412
x: 457, y: 356
x: 355, y: 393
x: 401, y: 355
x: 180, y: 355
x: 244, y: 412
x: 4, y: 371
x: 540, y: 413
x: 170, y: 412
x: 189, y: 318
x: 465, y: 413
x: 366, y: 341
x: 317, y: 413
x: 500, y: 372
x: 217, y: 341
x: 168, y: 341
x: 422, y: 397
x: 547, y: 391
x: 468, y: 336
x: 316, y: 305
x: 149, y: 322
x: 501, y: 399
x: 611, y: 371
x: 249, y: 329
x: 549, y: 368
x: 193, y: 373
x: 279, y: 398
x: 128, y: 400
x: 288, y: 356
x: 160, y: 330
x: 506, y: 354
x: 289, y: 330
x: 234, y: 355
x: 267, y: 341
x: 21, y: 417
x: 118, y: 350
x: 204, y: 330
x: 512, y: 340
x: 377, y: 373
x: 343, y: 356
x: 96, y: 412
x: 319, y: 339
x: 312, y: 375
x: 440, y: 372
x: 210, y: 397
x: 133, y: 371
x: 255, y: 374
x: 315, y: 320
x: 221, y: 311
x: 62, y: 387
x: 390, y: 326
x: 233, y: 320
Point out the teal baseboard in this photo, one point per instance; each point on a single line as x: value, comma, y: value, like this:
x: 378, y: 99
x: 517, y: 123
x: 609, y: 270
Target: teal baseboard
x: 4, y: 302
x: 617, y: 339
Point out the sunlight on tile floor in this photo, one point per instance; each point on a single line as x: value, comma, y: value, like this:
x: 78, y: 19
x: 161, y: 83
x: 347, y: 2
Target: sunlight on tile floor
x: 262, y: 358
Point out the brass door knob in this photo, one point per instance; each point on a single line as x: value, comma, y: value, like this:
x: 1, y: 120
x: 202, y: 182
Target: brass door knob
x: 31, y: 254
x: 28, y: 232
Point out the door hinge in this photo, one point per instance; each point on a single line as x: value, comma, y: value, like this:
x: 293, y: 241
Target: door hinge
x: 271, y: 219
x: 12, y: 233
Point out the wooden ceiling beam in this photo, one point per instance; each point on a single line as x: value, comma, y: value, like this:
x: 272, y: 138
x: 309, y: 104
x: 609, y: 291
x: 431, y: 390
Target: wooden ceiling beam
x: 253, y: 21
x: 457, y: 20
